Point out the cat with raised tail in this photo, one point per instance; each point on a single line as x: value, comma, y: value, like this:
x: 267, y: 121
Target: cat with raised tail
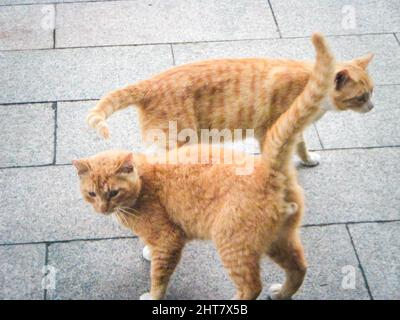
x: 246, y: 216
x: 227, y: 94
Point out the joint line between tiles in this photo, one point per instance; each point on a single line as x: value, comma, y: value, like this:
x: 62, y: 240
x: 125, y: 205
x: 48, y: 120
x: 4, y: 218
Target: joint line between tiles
x: 319, y: 137
x: 275, y: 19
x: 48, y: 243
x: 95, y: 99
x: 397, y: 39
x: 46, y: 262
x: 194, y: 42
x: 50, y: 3
x: 173, y: 55
x: 55, y: 107
x: 55, y: 26
x: 136, y: 237
x: 359, y: 263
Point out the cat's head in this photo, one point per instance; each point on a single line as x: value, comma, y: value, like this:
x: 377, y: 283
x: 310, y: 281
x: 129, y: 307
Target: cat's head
x: 109, y: 180
x: 353, y: 86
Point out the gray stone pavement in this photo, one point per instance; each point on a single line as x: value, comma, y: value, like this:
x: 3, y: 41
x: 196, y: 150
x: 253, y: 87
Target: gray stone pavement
x: 52, y: 246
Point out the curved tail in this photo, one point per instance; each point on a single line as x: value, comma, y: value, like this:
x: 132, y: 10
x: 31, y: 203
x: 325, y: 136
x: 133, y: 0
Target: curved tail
x: 281, y: 137
x: 112, y: 102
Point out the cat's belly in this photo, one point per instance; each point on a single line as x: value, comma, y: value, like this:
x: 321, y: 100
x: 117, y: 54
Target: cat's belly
x: 196, y: 221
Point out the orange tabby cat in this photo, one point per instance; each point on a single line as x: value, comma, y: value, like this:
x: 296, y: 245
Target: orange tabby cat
x: 233, y: 93
x: 247, y: 216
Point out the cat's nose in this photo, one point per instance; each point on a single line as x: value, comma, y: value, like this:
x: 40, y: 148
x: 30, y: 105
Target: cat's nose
x: 103, y: 207
x: 370, y: 106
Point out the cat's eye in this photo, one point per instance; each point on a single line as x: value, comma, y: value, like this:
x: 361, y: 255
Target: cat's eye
x: 113, y: 193
x: 92, y: 194
x: 361, y: 99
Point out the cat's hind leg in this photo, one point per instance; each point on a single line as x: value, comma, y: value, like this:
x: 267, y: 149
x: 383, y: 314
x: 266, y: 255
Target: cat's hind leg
x: 288, y: 253
x: 243, y: 266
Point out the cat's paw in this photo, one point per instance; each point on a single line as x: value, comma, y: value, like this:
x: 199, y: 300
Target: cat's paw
x: 274, y: 291
x: 146, y: 253
x: 104, y: 132
x: 146, y: 296
x: 313, y: 160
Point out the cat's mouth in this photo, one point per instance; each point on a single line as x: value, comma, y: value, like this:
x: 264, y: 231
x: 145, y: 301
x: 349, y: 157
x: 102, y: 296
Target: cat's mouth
x: 105, y: 212
x: 365, y: 109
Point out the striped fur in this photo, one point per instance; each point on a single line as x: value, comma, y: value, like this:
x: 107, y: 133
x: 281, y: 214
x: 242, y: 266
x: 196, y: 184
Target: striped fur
x: 114, y: 101
x: 228, y: 94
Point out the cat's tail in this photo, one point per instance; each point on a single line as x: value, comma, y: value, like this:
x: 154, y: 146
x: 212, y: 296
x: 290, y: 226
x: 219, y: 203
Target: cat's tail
x: 281, y: 137
x: 112, y: 102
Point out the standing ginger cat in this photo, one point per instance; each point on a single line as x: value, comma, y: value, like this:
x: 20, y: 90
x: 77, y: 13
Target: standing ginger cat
x: 233, y: 93
x: 247, y: 216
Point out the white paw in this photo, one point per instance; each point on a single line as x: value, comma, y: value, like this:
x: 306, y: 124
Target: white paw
x: 146, y: 296
x: 313, y: 160
x: 274, y: 291
x: 146, y: 253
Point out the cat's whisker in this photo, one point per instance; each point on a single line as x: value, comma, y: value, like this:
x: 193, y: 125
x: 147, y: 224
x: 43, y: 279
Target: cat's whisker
x: 125, y: 210
x: 121, y: 217
x: 129, y: 208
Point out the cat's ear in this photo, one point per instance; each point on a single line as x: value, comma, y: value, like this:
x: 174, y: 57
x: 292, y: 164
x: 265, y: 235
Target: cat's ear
x: 126, y: 165
x: 82, y: 166
x: 341, y: 78
x: 363, y: 61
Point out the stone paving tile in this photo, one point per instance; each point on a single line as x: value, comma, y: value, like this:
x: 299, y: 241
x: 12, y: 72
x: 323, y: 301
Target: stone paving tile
x: 330, y: 255
x: 201, y: 275
x: 377, y: 128
x: 27, y: 135
x: 300, y: 18
x: 375, y: 191
x: 47, y: 200
x: 76, y: 74
x: 352, y: 185
x: 385, y: 67
x: 378, y: 247
x: 162, y: 22
x: 330, y: 258
x: 21, y: 272
x: 114, y: 269
x: 75, y: 139
x: 44, y: 204
x: 26, y: 27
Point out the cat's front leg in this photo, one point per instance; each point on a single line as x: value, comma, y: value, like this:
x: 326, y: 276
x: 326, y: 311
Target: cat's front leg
x: 163, y: 263
x: 308, y: 159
